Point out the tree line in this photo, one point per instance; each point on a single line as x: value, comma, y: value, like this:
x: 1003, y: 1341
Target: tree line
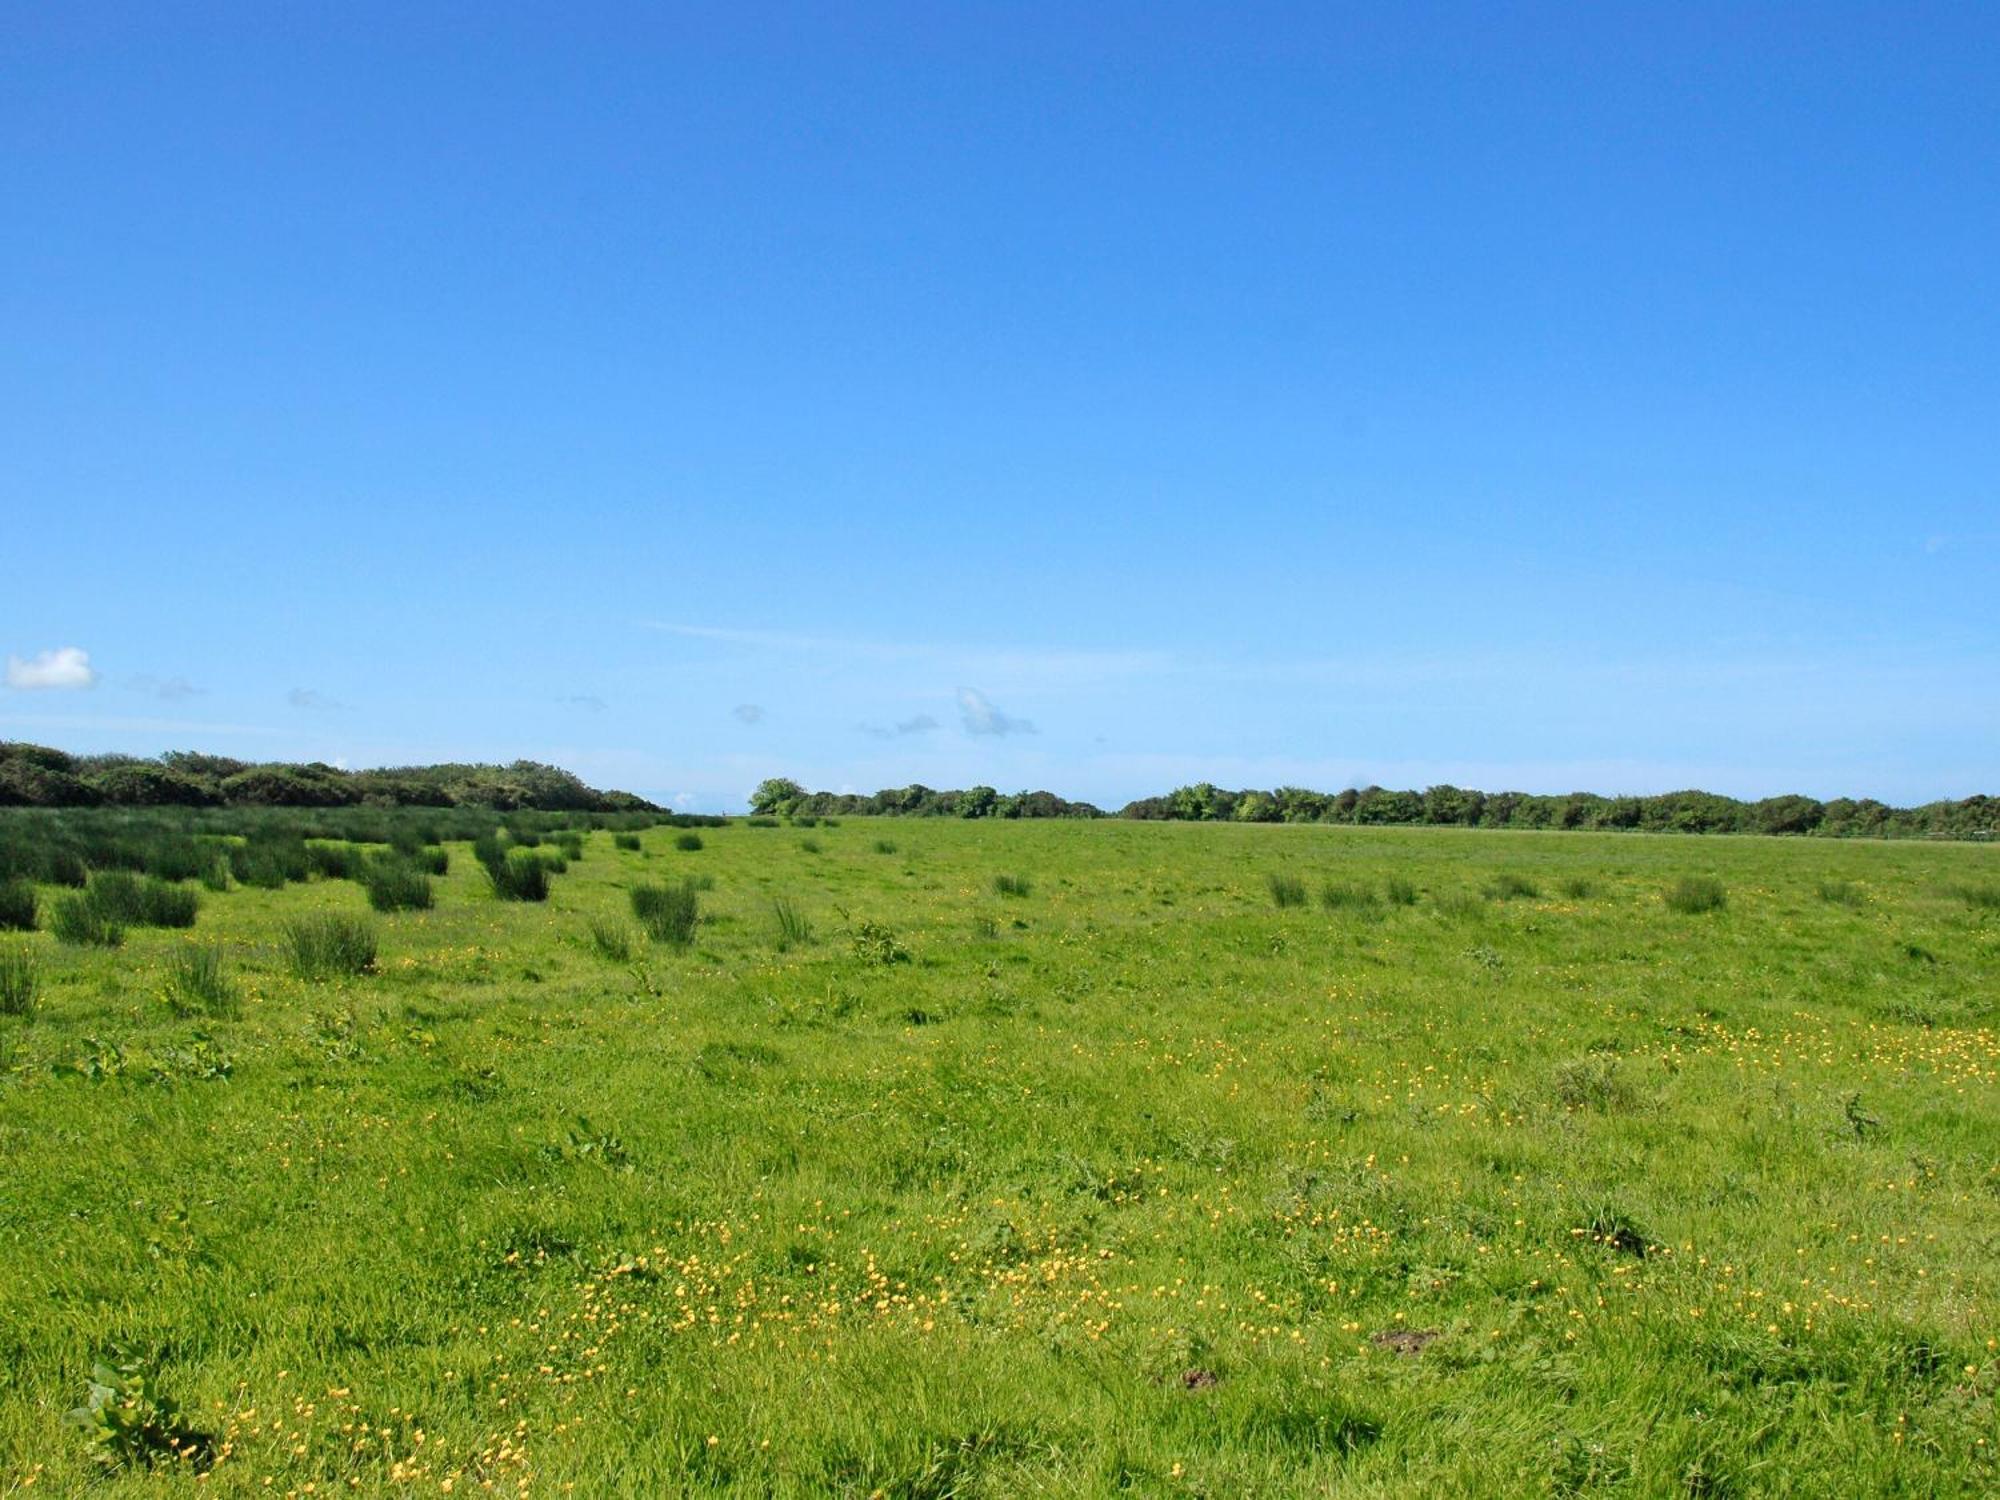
x: 1437, y: 806
x: 39, y: 776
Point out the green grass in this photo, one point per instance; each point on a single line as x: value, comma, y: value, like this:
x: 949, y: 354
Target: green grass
x: 1143, y: 1186
x: 18, y: 904
x: 79, y: 922
x: 20, y: 982
x: 330, y: 946
x: 1693, y: 894
x: 199, y: 984
x: 669, y: 912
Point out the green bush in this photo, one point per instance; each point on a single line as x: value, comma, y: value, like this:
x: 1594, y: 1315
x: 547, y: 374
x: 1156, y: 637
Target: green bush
x: 625, y: 841
x: 197, y: 984
x: 688, y: 842
x: 76, y: 921
x: 1286, y: 890
x: 20, y: 984
x: 669, y: 913
x: 330, y: 946
x: 394, y: 885
x: 17, y: 905
x: 1692, y: 894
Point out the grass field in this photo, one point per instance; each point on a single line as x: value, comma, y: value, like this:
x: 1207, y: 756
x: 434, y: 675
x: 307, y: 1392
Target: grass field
x: 1033, y: 1158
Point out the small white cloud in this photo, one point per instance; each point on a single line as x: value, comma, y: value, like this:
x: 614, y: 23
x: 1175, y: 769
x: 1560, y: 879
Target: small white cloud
x: 980, y: 716
x: 748, y: 713
x: 313, y: 699
x: 684, y: 800
x: 64, y: 667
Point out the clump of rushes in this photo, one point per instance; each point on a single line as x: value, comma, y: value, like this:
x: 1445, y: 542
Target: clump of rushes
x: 20, y: 984
x: 1840, y: 892
x: 689, y: 842
x: 17, y: 905
x: 1399, y: 891
x: 669, y: 913
x: 613, y: 940
x: 794, y: 926
x: 1576, y: 888
x: 432, y: 859
x: 330, y: 946
x: 1010, y: 885
x: 1507, y: 886
x: 884, y: 846
x: 334, y: 861
x: 1336, y: 896
x: 1286, y: 890
x: 76, y: 921
x: 520, y: 875
x: 1693, y: 894
x: 126, y: 900
x: 625, y: 841
x: 197, y: 984
x: 394, y: 885
x: 810, y: 846
x: 571, y: 845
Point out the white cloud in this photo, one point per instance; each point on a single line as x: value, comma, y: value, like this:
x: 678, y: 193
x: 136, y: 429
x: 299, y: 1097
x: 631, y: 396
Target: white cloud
x: 748, y: 713
x: 979, y: 716
x: 64, y: 667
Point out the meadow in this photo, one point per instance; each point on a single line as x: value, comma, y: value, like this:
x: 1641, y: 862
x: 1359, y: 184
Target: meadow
x: 940, y: 1158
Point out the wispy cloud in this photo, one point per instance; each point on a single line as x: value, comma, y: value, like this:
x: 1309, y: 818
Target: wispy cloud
x: 313, y: 700
x: 921, y: 724
x: 979, y: 715
x: 62, y: 668
x: 748, y: 713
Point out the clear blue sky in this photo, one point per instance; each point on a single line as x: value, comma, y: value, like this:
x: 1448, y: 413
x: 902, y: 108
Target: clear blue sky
x: 1092, y: 397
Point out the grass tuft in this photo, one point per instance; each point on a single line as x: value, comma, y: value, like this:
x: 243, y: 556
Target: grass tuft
x: 20, y: 982
x: 1507, y: 886
x: 794, y: 926
x: 17, y: 905
x: 1336, y: 896
x: 612, y: 939
x: 197, y: 984
x: 331, y: 946
x: 670, y: 913
x: 76, y: 920
x: 1693, y: 894
x: 394, y: 885
x: 1011, y: 885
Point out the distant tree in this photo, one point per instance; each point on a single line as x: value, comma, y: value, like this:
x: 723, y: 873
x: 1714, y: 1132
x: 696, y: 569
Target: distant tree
x: 776, y: 794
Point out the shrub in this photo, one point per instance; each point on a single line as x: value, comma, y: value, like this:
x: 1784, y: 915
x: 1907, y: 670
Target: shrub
x: 394, y: 885
x: 1692, y: 894
x: 613, y: 940
x: 689, y: 842
x: 669, y: 913
x: 198, y: 984
x: 794, y: 927
x: 1336, y: 897
x: 330, y: 946
x: 625, y: 841
x: 760, y: 822
x: 1840, y: 892
x: 522, y: 876
x: 876, y: 944
x: 17, y: 905
x: 1399, y: 891
x: 1010, y: 885
x: 74, y: 920
x: 20, y: 983
x: 1507, y: 886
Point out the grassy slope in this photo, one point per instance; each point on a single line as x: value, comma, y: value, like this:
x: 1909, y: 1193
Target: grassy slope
x: 1129, y: 1190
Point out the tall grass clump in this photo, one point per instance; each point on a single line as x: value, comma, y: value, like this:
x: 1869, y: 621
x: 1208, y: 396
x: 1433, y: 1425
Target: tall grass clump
x: 520, y: 875
x: 20, y: 983
x: 334, y: 861
x: 885, y: 846
x: 1399, y: 891
x: 432, y: 859
x: 1577, y: 887
x: 1335, y: 896
x: 1693, y: 894
x: 127, y: 900
x: 1979, y: 897
x: 75, y: 921
x: 331, y: 946
x: 1841, y: 893
x: 1506, y: 886
x: 625, y: 841
x: 1286, y: 890
x: 687, y: 842
x: 1461, y: 905
x: 1010, y: 885
x: 669, y: 913
x: 794, y: 926
x: 17, y: 905
x: 394, y: 885
x: 197, y: 984
x: 612, y: 940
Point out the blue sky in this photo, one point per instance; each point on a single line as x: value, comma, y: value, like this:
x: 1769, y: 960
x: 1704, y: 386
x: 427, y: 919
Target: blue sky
x: 1096, y: 398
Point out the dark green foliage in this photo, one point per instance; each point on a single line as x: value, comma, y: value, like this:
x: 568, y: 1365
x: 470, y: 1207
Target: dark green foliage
x: 1692, y: 894
x: 669, y: 913
x: 1980, y: 897
x: 129, y: 1424
x: 1508, y: 886
x: 760, y: 822
x: 432, y: 860
x: 1336, y: 896
x: 687, y: 842
x: 613, y: 940
x: 1010, y: 885
x: 330, y: 946
x: 76, y: 921
x: 125, y: 900
x: 1286, y: 890
x: 625, y: 840
x: 571, y: 845
x: 17, y: 905
x: 20, y: 983
x: 1399, y: 891
x: 794, y: 927
x: 520, y: 875
x: 334, y: 861
x: 875, y: 944
x: 393, y: 884
x: 198, y: 984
